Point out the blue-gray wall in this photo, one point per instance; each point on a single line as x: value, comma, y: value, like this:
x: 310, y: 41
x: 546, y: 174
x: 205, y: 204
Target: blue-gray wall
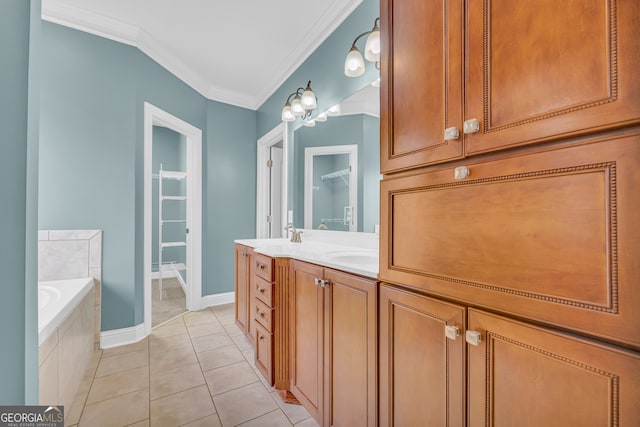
x: 359, y: 129
x: 19, y: 47
x: 92, y: 159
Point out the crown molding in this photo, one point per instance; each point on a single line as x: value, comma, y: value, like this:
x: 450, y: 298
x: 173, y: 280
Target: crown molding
x: 335, y: 15
x: 79, y: 19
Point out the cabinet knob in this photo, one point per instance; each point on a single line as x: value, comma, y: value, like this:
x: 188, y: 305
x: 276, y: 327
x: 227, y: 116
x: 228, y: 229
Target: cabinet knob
x: 316, y: 281
x: 451, y: 133
x: 473, y: 337
x: 262, y: 314
x: 461, y: 172
x: 244, y: 253
x: 471, y: 126
x: 452, y: 332
x: 261, y: 337
x: 261, y: 267
x: 261, y: 290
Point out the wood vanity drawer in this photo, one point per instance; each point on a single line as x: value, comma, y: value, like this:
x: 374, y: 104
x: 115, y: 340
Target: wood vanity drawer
x: 263, y: 267
x: 264, y: 314
x: 264, y: 291
x: 264, y: 352
x: 551, y: 236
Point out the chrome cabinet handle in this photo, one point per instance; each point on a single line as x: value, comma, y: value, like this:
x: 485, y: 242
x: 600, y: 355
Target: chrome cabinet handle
x: 471, y: 126
x: 473, y: 338
x: 451, y: 133
x: 461, y: 172
x: 452, y: 332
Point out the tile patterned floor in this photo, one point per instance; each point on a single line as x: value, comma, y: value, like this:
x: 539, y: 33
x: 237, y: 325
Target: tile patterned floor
x: 174, y: 301
x: 196, y: 370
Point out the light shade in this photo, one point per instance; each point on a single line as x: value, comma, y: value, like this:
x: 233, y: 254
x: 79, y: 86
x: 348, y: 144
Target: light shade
x: 334, y: 111
x: 287, y: 114
x: 354, y: 63
x: 372, y: 47
x: 376, y: 82
x: 322, y: 117
x: 308, y: 99
x: 296, y: 106
x: 310, y: 123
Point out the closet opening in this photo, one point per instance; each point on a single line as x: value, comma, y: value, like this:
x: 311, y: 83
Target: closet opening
x: 172, y: 217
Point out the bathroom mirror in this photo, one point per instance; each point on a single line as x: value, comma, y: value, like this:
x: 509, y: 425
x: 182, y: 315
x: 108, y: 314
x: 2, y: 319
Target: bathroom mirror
x: 336, y: 168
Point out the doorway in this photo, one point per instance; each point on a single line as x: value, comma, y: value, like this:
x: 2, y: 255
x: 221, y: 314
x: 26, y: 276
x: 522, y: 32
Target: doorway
x: 187, y: 190
x: 272, y: 176
x: 331, y: 187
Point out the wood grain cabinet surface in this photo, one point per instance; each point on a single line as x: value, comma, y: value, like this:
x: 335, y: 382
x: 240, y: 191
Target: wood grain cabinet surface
x: 526, y: 71
x: 516, y: 374
x: 552, y: 236
x: 244, y: 279
x: 334, y: 345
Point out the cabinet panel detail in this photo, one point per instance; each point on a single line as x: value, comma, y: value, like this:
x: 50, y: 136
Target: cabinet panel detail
x: 539, y: 235
x: 417, y: 360
x: 552, y: 87
x: 551, y: 235
x: 530, y: 376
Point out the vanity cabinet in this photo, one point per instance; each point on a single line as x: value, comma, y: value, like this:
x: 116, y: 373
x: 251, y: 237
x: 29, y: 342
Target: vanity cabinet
x: 514, y: 373
x: 333, y: 344
x: 462, y: 78
x: 244, y: 294
x: 262, y: 315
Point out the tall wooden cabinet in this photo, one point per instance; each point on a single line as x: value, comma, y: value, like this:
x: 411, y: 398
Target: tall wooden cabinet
x: 333, y: 343
x: 510, y: 147
x: 461, y: 78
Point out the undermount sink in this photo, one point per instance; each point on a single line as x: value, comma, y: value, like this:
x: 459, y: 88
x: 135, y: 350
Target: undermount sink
x: 353, y: 257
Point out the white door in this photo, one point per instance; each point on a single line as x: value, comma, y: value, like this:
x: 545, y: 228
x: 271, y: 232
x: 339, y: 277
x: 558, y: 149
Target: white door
x: 275, y: 192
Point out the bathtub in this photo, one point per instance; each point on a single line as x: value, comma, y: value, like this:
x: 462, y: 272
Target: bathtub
x: 66, y: 329
x: 56, y: 300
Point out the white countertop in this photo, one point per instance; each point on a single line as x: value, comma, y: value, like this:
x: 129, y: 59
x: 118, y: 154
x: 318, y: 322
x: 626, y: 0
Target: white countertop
x: 351, y: 252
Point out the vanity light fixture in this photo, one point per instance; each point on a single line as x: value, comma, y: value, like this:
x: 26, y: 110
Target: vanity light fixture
x: 303, y: 103
x: 310, y: 123
x: 322, y: 117
x: 354, y: 63
x: 334, y: 111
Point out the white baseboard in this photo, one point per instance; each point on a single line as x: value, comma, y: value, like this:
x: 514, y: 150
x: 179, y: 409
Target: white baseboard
x: 217, y: 299
x: 124, y: 336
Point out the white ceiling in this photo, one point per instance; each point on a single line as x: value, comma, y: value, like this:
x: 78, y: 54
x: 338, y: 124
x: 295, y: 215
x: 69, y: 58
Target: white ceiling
x: 234, y: 51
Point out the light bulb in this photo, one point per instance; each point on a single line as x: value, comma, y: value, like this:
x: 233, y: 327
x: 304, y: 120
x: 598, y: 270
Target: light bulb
x: 334, y: 111
x: 308, y: 99
x: 296, y: 106
x: 287, y: 114
x: 372, y: 47
x: 354, y: 63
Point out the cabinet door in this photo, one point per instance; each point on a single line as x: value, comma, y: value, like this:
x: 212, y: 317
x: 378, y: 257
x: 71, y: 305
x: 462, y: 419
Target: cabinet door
x: 242, y: 287
x: 351, y: 366
x: 528, y: 376
x: 264, y: 351
x: 307, y: 336
x: 552, y: 236
x: 546, y: 69
x: 421, y: 89
x: 422, y: 373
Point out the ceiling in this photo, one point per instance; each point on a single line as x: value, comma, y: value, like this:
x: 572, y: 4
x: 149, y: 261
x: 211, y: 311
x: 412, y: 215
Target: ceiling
x: 234, y: 51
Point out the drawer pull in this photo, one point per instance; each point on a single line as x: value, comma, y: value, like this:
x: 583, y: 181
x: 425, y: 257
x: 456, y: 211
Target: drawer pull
x: 262, y: 314
x: 261, y: 337
x: 261, y: 266
x: 452, y: 332
x: 473, y: 338
x: 244, y: 253
x: 461, y: 172
x: 261, y: 290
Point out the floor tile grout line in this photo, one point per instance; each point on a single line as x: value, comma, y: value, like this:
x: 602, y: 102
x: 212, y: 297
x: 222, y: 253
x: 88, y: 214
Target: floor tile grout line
x: 93, y: 377
x: 262, y: 415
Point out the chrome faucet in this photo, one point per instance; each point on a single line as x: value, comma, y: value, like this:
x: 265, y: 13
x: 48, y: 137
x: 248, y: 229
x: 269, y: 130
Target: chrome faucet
x: 295, y: 234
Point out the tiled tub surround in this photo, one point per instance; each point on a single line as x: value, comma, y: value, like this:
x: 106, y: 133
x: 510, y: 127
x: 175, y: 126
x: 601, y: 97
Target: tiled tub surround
x: 67, y: 347
x: 72, y: 254
x: 321, y: 246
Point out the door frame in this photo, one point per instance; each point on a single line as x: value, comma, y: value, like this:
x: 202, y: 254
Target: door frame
x: 275, y: 135
x: 309, y: 153
x: 156, y: 116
